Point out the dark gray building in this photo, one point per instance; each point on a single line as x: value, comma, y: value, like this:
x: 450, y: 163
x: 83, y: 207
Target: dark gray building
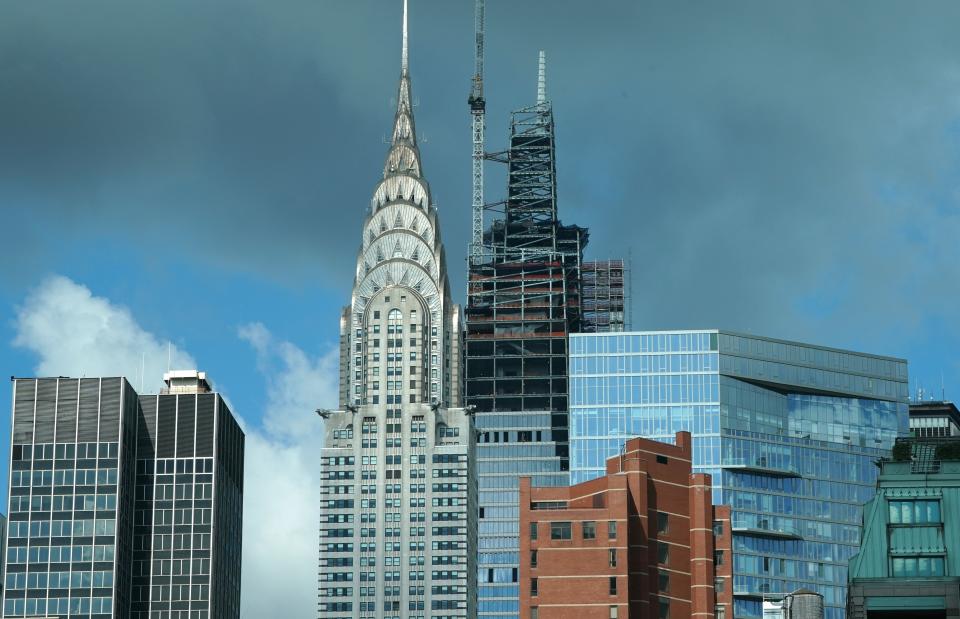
x: 101, y: 524
x: 71, y: 498
x: 189, y: 504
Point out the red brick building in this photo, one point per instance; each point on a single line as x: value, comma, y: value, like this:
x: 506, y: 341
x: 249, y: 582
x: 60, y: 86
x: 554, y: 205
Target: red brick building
x: 642, y: 542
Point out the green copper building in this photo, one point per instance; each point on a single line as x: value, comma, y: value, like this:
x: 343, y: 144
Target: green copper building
x: 909, y: 559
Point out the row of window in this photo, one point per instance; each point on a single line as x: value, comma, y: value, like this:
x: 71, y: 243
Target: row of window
x: 60, y: 554
x: 59, y: 580
x: 176, y: 541
x: 914, y: 512
x: 178, y: 492
x: 391, y: 606
x: 169, y: 466
x: 172, y: 567
x: 171, y: 593
x: 57, y: 606
x: 563, y: 530
x: 69, y: 477
x: 62, y: 528
x: 65, y: 451
x: 611, y: 558
x: 59, y: 503
x: 162, y: 517
x: 612, y: 582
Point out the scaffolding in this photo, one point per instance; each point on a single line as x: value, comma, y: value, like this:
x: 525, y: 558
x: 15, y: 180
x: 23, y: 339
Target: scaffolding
x: 524, y: 296
x: 604, y: 298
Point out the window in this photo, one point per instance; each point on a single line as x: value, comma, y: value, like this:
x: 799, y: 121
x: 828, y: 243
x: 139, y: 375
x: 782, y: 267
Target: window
x: 561, y: 530
x: 664, y: 608
x: 613, y: 585
x: 534, y: 612
x: 614, y: 612
x: 663, y: 553
x: 663, y: 581
x: 533, y: 530
x: 912, y: 567
x: 612, y: 529
x: 663, y: 522
x: 721, y: 612
x: 718, y: 528
x: 719, y: 585
x: 662, y: 460
x: 589, y: 529
x: 717, y: 558
x: 914, y: 512
x: 613, y: 557
x: 534, y: 590
x: 533, y: 558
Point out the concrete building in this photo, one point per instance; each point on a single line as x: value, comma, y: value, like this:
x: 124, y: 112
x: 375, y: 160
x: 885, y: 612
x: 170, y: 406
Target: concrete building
x: 934, y: 418
x: 105, y: 520
x: 908, y: 564
x: 398, y: 510
x: 644, y: 540
x: 788, y: 431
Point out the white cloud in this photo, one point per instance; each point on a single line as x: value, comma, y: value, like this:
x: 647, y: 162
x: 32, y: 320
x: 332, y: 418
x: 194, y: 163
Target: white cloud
x: 283, y: 478
x: 75, y: 333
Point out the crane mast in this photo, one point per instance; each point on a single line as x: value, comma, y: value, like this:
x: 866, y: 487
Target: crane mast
x: 478, y: 111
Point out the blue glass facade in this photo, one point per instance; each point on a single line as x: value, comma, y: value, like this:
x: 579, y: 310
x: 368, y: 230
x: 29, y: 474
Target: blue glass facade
x: 510, y: 446
x: 789, y: 432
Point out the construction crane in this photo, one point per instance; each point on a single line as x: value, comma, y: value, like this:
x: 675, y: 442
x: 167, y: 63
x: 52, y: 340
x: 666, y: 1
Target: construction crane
x: 478, y: 108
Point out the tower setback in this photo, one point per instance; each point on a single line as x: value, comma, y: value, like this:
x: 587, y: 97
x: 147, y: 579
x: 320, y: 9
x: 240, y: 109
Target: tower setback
x: 398, y: 504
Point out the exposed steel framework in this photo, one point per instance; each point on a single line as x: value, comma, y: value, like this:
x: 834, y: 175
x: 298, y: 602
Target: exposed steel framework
x: 525, y: 294
x: 604, y: 296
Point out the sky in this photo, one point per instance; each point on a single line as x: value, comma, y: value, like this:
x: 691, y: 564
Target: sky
x: 189, y: 178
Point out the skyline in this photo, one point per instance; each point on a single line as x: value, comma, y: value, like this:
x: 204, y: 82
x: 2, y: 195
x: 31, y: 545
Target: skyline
x: 265, y: 310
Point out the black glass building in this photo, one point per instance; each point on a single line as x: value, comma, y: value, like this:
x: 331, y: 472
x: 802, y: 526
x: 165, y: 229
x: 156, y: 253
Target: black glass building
x: 100, y: 528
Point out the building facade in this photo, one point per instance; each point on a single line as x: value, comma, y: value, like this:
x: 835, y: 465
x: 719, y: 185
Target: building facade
x: 397, y: 517
x: 188, y: 510
x: 76, y: 543
x: 644, y: 540
x: 909, y: 560
x: 789, y: 433
x: 69, y: 535
x: 398, y: 509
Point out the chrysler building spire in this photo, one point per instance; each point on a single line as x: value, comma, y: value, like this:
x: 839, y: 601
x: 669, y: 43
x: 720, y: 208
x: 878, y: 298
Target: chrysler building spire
x: 400, y: 285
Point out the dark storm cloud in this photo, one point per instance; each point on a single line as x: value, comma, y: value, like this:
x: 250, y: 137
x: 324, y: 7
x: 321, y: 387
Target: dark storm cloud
x: 785, y: 168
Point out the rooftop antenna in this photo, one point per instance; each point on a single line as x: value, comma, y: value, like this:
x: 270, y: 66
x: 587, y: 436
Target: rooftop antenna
x: 404, y: 56
x: 542, y: 79
x: 943, y: 391
x: 478, y: 107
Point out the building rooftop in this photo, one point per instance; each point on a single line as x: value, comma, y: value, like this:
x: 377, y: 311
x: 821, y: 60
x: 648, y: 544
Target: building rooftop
x: 185, y: 381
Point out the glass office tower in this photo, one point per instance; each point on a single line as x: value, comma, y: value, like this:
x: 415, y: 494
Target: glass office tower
x: 790, y: 433
x: 71, y: 498
x: 123, y: 505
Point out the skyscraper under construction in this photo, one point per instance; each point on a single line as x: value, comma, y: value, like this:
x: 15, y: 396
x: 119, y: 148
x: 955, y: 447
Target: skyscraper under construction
x: 524, y: 299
